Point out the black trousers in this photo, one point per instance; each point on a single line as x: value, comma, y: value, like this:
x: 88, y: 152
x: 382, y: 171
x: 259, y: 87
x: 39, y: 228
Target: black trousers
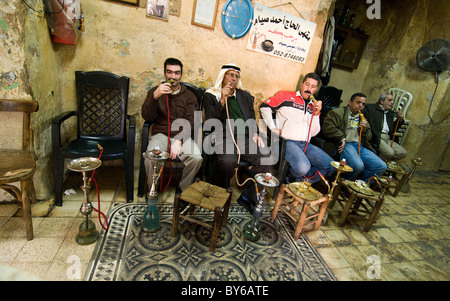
x: 227, y: 163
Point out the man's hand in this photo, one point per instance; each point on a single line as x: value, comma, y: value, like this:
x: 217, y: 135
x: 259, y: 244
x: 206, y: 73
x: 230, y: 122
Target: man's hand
x: 317, y: 107
x: 227, y: 91
x: 164, y: 88
x: 363, y: 124
x: 258, y: 140
x: 399, y: 114
x: 276, y: 131
x: 341, y: 147
x: 175, y: 149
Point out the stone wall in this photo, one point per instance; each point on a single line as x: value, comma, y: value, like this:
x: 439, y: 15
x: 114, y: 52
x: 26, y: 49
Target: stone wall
x: 389, y: 60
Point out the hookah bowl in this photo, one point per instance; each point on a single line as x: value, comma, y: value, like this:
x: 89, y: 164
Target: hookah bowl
x: 87, y: 233
x: 252, y: 229
x: 341, y: 167
x: 151, y: 222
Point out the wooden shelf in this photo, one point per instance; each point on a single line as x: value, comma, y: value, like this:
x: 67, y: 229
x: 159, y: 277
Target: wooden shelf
x: 349, y: 53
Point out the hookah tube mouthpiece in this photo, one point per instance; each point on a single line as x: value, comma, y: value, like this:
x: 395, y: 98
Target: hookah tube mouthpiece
x: 361, y: 116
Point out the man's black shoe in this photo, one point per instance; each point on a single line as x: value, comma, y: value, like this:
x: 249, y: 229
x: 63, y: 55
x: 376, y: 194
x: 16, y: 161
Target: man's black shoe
x: 178, y: 190
x: 246, y: 204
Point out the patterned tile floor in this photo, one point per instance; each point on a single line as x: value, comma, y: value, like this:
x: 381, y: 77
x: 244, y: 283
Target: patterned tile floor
x: 410, y: 240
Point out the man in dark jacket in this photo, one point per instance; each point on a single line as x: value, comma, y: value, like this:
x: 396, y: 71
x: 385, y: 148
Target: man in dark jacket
x: 383, y: 121
x: 351, y: 133
x: 228, y: 106
x: 173, y: 104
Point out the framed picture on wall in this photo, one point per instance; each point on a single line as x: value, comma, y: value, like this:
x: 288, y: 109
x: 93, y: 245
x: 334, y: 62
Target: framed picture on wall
x: 204, y: 13
x: 158, y: 9
x: 135, y: 2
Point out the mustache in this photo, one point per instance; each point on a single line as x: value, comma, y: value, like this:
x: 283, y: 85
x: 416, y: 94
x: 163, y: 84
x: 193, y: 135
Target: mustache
x: 309, y: 93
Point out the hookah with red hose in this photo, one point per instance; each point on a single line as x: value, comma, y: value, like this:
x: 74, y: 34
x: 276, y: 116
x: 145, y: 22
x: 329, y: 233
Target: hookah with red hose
x: 87, y: 233
x: 151, y: 222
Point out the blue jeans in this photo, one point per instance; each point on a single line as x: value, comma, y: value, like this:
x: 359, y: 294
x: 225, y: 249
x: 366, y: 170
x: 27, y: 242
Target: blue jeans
x: 307, y: 163
x: 364, y: 167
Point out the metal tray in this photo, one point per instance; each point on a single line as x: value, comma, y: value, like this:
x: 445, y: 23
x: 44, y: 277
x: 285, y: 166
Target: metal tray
x: 84, y: 164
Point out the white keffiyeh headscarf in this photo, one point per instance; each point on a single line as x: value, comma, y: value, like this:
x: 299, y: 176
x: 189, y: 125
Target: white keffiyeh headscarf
x: 216, y: 90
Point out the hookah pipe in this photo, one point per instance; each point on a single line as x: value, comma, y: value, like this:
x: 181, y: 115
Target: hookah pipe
x: 396, y: 125
x: 239, y: 154
x: 377, y: 180
x: 361, y: 116
x: 100, y: 214
x: 170, y: 81
x: 255, y: 39
x: 310, y: 124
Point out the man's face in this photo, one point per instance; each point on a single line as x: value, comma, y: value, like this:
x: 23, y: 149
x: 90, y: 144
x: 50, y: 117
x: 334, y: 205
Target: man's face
x: 388, y: 102
x: 231, y: 77
x: 357, y: 104
x: 173, y: 72
x: 308, y: 87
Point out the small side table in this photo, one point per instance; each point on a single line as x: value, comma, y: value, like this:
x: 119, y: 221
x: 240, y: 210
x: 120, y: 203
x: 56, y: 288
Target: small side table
x: 300, y: 208
x: 355, y: 200
x: 397, y: 179
x: 206, y: 196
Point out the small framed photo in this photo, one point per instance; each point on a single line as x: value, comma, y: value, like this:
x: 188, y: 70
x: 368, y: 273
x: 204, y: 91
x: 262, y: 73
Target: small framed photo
x: 204, y: 13
x: 135, y: 2
x: 158, y: 9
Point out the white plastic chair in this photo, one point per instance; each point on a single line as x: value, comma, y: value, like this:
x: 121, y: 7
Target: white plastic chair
x: 402, y: 100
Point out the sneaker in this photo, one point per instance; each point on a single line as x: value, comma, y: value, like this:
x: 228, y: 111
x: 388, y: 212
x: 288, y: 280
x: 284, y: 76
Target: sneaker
x: 246, y: 204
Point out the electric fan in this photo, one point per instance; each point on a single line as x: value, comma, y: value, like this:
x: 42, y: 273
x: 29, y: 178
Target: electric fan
x: 434, y: 56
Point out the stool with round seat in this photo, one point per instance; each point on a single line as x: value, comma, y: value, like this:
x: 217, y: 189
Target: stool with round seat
x: 395, y: 177
x: 354, y: 199
x: 304, y: 208
x: 206, y: 196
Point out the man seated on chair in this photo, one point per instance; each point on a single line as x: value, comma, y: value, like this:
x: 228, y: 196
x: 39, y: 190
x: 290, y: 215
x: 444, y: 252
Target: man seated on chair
x: 351, y: 134
x: 384, y: 121
x: 181, y: 103
x: 230, y: 108
x: 297, y: 118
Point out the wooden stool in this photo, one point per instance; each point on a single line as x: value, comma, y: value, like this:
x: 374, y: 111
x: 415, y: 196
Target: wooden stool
x: 351, y: 200
x: 398, y: 179
x: 304, y: 212
x: 209, y: 197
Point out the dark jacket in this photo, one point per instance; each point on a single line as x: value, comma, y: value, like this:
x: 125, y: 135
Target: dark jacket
x: 375, y: 116
x: 335, y: 128
x: 182, y: 105
x: 213, y: 108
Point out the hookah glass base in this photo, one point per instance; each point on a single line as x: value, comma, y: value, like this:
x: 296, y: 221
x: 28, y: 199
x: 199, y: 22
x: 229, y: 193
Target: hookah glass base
x: 151, y: 223
x: 252, y: 229
x: 87, y: 233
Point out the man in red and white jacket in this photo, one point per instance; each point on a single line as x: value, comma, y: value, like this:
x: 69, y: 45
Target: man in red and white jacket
x: 297, y: 120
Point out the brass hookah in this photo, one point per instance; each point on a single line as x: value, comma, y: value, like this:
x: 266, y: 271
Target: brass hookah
x: 252, y: 228
x: 151, y: 222
x: 87, y: 233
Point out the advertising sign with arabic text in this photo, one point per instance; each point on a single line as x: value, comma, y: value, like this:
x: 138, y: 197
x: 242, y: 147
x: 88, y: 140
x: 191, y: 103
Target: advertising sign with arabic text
x: 279, y: 34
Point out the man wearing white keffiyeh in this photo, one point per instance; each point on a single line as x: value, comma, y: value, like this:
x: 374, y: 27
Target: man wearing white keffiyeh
x: 229, y: 104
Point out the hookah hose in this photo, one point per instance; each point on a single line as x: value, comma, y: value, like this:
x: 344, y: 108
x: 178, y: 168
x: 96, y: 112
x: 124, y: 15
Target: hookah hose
x: 168, y: 144
x: 310, y: 124
x: 396, y: 126
x: 361, y: 116
x: 100, y: 214
x: 239, y: 154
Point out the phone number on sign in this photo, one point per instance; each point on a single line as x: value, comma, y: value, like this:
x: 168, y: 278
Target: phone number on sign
x: 288, y: 55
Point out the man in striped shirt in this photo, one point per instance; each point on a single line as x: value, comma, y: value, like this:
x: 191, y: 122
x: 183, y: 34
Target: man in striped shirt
x: 297, y: 120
